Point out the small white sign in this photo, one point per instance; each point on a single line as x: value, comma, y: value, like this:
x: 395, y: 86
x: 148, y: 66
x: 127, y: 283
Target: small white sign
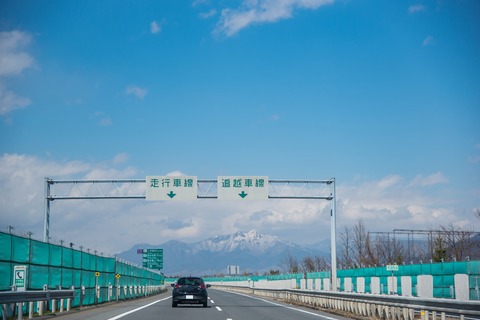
x: 171, y: 188
x: 20, y: 277
x: 242, y: 187
x: 392, y: 267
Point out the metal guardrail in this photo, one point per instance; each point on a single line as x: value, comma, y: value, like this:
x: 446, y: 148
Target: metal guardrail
x: 14, y: 300
x: 370, y: 305
x: 28, y: 296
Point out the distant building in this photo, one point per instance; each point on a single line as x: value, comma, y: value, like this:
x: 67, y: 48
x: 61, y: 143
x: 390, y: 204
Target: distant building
x: 233, y: 270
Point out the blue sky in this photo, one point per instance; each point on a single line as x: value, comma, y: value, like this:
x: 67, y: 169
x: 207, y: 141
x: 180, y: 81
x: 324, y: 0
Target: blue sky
x: 382, y: 95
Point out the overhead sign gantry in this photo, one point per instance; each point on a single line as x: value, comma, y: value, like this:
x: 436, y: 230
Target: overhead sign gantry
x: 174, y: 188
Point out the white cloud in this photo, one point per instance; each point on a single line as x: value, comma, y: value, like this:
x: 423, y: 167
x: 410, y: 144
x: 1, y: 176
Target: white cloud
x: 12, y: 59
x: 196, y: 3
x: 102, y: 119
x: 110, y: 173
x: 433, y: 179
x: 22, y: 180
x: 395, y: 202
x: 155, y: 28
x: 112, y: 226
x: 105, y: 122
x: 9, y: 101
x: 428, y: 41
x: 120, y: 158
x: 389, y: 181
x: 476, y: 157
x: 416, y: 8
x: 21, y: 185
x: 136, y: 91
x: 208, y: 14
x: 274, y: 117
x: 176, y: 173
x: 261, y: 11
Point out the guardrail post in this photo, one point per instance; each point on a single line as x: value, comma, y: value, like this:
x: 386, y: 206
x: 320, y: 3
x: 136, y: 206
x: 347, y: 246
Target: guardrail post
x: 97, y: 293
x: 61, y: 300
x: 30, y: 309
x: 424, y: 314
x: 40, y: 308
x: 5, y: 311
x: 19, y: 310
x: 69, y: 300
x: 82, y: 295
x: 41, y: 304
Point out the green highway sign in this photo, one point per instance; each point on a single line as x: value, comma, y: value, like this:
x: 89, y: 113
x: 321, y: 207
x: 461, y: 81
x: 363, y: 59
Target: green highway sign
x: 153, y: 259
x: 242, y: 188
x: 171, y: 188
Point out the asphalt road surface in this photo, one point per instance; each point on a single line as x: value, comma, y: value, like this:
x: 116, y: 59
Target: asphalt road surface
x: 221, y: 306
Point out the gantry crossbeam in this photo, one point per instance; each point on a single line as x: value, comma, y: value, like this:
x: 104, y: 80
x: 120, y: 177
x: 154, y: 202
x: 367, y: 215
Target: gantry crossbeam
x: 206, y: 189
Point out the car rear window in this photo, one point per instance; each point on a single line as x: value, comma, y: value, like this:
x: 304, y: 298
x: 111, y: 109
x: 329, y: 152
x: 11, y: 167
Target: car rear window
x: 190, y: 281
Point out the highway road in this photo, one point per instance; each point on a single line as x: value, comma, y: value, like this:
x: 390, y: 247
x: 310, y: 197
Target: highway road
x: 221, y: 306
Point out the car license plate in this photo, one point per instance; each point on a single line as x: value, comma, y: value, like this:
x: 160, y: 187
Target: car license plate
x: 189, y: 297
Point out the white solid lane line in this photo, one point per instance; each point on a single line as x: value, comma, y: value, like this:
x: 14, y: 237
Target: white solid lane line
x: 286, y: 307
x: 135, y: 310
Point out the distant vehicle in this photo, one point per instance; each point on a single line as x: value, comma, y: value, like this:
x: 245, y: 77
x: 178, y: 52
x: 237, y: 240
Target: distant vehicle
x: 190, y: 290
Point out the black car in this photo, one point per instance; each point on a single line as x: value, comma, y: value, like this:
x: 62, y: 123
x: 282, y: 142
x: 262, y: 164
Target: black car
x: 190, y: 290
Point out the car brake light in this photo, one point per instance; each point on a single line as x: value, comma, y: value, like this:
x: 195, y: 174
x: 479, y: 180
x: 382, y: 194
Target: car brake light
x: 177, y: 286
x: 202, y: 286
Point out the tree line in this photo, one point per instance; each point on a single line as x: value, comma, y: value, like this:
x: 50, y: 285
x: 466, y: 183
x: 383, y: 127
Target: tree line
x: 359, y: 248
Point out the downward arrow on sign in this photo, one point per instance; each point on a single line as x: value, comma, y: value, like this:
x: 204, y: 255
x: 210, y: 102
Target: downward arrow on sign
x: 243, y: 194
x: 171, y: 194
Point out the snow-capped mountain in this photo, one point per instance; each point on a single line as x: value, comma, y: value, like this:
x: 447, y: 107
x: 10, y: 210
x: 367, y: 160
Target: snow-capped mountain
x: 251, y: 251
x: 244, y: 241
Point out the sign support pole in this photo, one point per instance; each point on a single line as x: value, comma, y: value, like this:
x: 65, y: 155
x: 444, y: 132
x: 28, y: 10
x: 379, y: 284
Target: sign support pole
x: 333, y: 236
x: 46, y: 223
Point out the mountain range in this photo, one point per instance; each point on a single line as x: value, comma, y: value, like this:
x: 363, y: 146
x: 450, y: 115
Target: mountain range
x: 251, y: 251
